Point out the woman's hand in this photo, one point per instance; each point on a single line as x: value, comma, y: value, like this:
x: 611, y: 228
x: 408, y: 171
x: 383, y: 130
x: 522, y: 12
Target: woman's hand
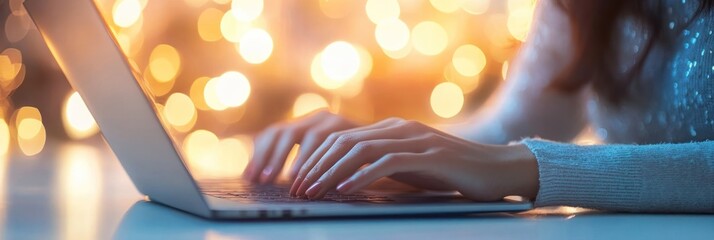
x: 273, y: 145
x: 418, y: 155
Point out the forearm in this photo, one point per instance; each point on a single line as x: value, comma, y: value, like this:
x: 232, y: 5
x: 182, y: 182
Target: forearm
x: 636, y: 178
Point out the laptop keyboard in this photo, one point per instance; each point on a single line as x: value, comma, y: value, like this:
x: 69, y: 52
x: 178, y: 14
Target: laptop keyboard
x: 239, y: 190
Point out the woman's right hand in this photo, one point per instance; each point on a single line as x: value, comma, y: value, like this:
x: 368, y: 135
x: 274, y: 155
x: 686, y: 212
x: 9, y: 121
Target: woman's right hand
x: 273, y: 145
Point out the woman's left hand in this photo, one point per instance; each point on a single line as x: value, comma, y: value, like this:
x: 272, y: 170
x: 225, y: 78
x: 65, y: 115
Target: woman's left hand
x: 421, y: 156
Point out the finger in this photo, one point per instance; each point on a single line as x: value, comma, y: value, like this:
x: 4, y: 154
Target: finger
x: 267, y: 145
x: 289, y: 136
x: 322, y: 149
x: 312, y: 140
x: 344, y: 142
x: 363, y: 153
x: 389, y: 164
x: 306, y: 176
x: 263, y: 149
x: 285, y: 142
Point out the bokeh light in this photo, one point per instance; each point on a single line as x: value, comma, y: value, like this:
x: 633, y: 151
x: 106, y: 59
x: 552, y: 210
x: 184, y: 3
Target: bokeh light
x: 17, y: 25
x: 31, y: 135
x: 307, y: 103
x: 78, y: 122
x: 208, y: 156
x: 11, y: 68
x: 335, y: 65
x: 520, y: 18
x: 126, y: 12
x: 447, y: 99
x: 196, y: 93
x: 180, y: 112
x: 209, y: 25
x: 164, y: 63
x: 231, y: 89
x: 380, y: 10
x: 469, y: 60
x: 392, y: 34
x: 246, y: 10
x: 255, y: 46
x: 231, y: 28
x: 429, y: 38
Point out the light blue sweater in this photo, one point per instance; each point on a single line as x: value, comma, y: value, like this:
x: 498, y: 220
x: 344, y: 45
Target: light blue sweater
x: 641, y: 178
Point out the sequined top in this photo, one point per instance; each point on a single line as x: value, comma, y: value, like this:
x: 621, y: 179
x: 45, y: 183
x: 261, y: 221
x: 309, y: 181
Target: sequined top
x: 674, y: 99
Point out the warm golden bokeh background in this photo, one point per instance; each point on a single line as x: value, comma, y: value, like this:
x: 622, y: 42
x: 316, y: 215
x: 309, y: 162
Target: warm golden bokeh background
x: 221, y: 70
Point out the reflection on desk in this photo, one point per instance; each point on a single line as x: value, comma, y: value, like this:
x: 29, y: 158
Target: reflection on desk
x: 79, y: 191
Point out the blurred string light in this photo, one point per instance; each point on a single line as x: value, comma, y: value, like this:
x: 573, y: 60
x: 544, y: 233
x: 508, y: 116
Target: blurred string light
x: 469, y: 60
x: 429, y: 38
x: 164, y: 63
x: 231, y: 28
x: 231, y: 89
x: 340, y: 62
x: 209, y: 24
x: 380, y: 10
x: 255, y: 46
x: 246, y: 10
x: 78, y: 122
x: 211, y: 157
x: 341, y: 67
x: 12, y: 70
x: 126, y: 12
x: 307, y: 103
x: 520, y: 17
x: 392, y: 34
x: 180, y: 112
x: 447, y: 99
x: 196, y: 93
x: 31, y: 135
x: 18, y: 23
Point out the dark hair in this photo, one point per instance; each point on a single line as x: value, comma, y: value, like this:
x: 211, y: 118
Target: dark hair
x: 596, y: 39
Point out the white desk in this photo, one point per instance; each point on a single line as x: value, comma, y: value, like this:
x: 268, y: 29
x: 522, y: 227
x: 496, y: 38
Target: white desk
x: 73, y: 191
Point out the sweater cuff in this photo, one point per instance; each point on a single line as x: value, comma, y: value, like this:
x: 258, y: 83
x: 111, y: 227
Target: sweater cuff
x: 579, y: 176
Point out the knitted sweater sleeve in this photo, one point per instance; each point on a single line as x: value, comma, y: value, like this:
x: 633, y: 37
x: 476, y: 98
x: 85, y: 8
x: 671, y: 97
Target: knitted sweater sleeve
x: 632, y: 178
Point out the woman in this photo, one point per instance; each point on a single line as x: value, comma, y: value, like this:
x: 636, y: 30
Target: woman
x: 639, y: 71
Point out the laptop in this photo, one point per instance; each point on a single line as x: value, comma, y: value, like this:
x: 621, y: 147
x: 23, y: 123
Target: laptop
x: 96, y: 67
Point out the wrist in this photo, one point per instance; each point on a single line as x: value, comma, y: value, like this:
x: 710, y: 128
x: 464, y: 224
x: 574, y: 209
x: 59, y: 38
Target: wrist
x: 521, y: 170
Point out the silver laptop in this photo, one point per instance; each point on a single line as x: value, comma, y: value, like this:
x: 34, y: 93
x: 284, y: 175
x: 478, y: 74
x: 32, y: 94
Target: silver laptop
x: 90, y: 58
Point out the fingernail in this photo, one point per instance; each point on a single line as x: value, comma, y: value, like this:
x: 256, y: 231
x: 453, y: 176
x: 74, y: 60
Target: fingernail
x: 313, y: 190
x: 302, y: 187
x: 265, y: 175
x: 344, y: 186
x: 294, y: 187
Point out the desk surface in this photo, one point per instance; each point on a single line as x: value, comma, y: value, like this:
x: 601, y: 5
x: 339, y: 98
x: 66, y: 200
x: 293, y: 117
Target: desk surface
x: 79, y: 191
